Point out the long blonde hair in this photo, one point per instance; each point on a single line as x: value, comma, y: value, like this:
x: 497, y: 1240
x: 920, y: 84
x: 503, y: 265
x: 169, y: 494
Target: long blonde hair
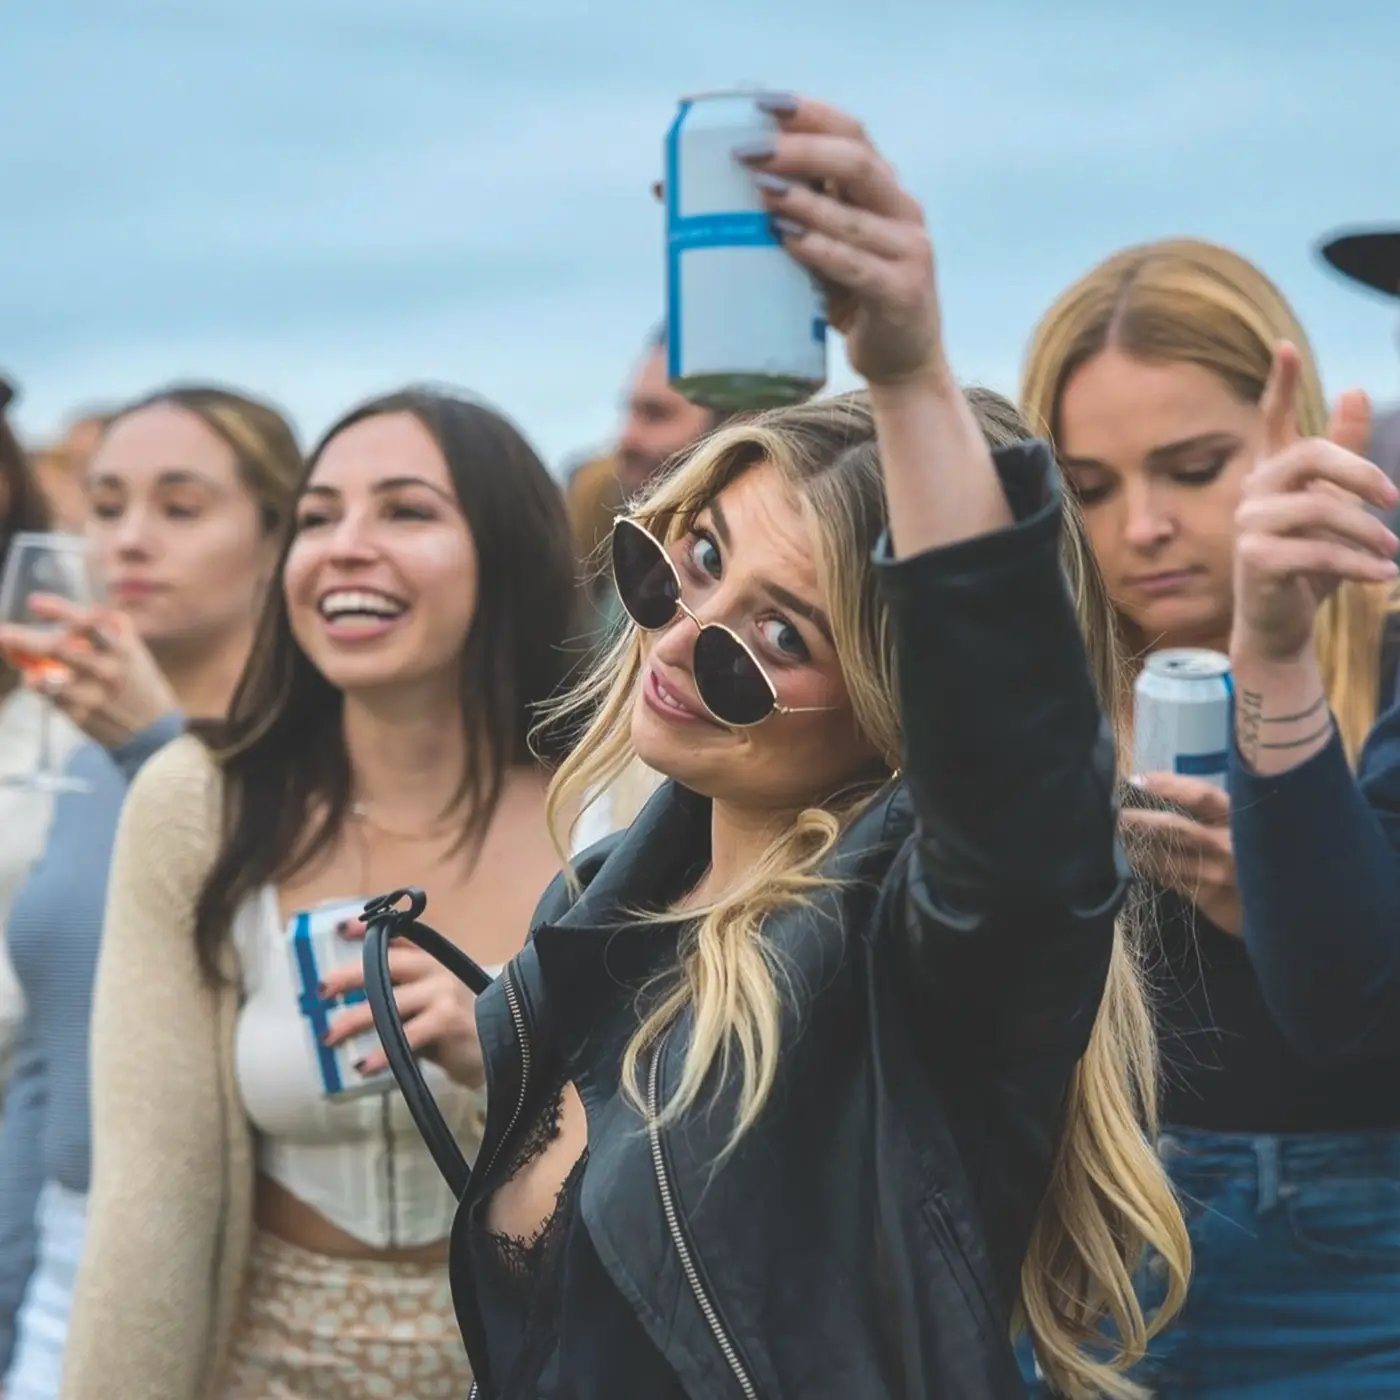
x: 1184, y: 301
x: 1110, y: 1198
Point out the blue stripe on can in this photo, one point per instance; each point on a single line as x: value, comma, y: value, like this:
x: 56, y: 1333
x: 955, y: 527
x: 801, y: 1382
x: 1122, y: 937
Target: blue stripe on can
x: 741, y: 229
x: 673, y: 257
x: 313, y: 1006
x: 1202, y: 765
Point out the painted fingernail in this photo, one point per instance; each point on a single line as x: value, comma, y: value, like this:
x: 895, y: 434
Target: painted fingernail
x: 360, y: 1065
x: 789, y: 228
x: 777, y: 104
x: 773, y: 184
x: 343, y: 926
x: 751, y: 151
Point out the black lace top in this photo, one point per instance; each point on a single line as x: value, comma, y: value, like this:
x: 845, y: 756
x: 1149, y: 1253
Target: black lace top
x: 556, y: 1326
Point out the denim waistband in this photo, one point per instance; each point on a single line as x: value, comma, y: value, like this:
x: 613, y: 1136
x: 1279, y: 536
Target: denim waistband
x: 1278, y: 1161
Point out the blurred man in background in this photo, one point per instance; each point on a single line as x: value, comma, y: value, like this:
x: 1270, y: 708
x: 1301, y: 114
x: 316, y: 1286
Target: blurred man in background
x: 658, y: 423
x: 1372, y: 258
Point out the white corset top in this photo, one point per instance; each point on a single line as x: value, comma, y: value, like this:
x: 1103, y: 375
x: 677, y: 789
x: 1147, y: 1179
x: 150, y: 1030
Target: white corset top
x: 359, y: 1162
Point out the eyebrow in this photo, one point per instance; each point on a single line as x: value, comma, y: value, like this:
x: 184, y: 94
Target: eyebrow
x: 172, y: 476
x: 787, y: 599
x: 783, y: 597
x: 1166, y: 453
x: 390, y: 483
x: 721, y: 524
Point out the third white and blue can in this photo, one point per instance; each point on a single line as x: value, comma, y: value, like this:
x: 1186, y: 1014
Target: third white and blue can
x: 317, y: 947
x: 1183, y: 710
x: 745, y: 324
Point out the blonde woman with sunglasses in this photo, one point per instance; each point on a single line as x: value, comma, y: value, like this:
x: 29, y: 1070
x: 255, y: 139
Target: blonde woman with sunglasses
x: 832, y: 1067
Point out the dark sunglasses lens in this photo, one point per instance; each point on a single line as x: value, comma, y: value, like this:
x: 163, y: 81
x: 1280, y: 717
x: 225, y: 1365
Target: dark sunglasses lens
x: 646, y: 582
x: 729, y: 679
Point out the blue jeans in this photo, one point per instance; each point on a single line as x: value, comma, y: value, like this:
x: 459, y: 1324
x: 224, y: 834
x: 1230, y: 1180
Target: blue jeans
x: 1296, y: 1289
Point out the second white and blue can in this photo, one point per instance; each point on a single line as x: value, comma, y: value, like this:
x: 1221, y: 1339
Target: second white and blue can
x: 1183, y: 710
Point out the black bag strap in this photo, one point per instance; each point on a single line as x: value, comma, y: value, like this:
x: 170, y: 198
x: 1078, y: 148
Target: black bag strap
x: 385, y: 921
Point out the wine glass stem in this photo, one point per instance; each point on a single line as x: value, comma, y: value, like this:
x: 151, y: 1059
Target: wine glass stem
x: 46, y: 740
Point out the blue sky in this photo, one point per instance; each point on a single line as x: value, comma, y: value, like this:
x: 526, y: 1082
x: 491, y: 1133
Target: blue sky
x: 319, y: 199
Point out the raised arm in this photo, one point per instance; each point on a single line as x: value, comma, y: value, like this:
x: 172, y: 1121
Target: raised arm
x: 160, y: 1140
x: 1317, y: 851
x: 1007, y: 763
x: 1006, y: 756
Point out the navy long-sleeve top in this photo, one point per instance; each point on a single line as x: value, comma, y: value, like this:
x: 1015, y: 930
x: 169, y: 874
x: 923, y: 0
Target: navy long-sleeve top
x: 1252, y: 1028
x: 1318, y: 857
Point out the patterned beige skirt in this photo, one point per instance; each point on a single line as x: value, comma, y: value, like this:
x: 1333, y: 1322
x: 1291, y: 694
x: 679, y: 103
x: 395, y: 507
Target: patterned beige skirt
x: 315, y: 1328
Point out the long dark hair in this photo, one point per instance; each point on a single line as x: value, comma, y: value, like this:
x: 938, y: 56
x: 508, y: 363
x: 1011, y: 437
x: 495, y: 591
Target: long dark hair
x: 287, y: 779
x: 26, y: 507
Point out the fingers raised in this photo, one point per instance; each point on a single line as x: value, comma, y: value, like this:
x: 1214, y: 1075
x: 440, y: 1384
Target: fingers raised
x: 1287, y: 556
x: 797, y: 113
x: 1350, y: 426
x: 820, y: 213
x: 1279, y: 404
x: 1316, y: 513
x: 852, y: 164
x: 1301, y: 464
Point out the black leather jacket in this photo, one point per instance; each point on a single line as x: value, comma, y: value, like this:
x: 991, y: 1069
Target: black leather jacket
x: 865, y: 1239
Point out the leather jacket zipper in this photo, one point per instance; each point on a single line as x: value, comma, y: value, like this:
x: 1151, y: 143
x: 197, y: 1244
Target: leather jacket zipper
x: 677, y: 1232
x: 522, y: 1039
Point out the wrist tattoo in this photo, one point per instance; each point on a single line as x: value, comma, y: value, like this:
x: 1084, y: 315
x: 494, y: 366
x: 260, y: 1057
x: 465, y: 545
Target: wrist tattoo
x: 1324, y: 728
x: 1293, y: 719
x: 1250, y: 722
x: 1249, y: 708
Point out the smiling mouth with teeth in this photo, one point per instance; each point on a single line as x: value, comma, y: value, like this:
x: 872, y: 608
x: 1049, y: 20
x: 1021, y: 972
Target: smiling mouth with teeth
x: 352, y: 604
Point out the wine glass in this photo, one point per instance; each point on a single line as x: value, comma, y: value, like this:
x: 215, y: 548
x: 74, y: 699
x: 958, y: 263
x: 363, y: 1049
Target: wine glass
x: 43, y: 563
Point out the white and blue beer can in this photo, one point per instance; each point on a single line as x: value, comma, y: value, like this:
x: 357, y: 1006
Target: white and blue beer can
x: 1183, y: 710
x: 745, y: 323
x: 317, y: 947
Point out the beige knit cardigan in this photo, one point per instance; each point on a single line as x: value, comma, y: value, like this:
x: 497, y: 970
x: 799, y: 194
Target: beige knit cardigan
x: 170, y: 1221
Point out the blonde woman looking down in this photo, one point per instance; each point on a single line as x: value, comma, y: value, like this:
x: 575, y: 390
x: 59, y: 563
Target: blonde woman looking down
x: 1150, y: 376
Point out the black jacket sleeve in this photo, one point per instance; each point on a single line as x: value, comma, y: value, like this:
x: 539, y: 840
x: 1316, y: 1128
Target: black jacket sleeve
x: 1014, y: 874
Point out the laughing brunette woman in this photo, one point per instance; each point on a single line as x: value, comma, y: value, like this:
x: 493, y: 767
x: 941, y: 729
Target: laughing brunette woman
x: 253, y: 1233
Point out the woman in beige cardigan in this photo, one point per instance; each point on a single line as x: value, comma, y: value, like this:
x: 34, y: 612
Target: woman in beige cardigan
x: 250, y: 1234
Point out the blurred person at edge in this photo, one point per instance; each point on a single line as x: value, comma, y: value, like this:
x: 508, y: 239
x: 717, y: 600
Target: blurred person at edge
x: 186, y: 496
x: 658, y: 423
x: 24, y: 816
x: 249, y: 1237
x: 1149, y: 374
x: 61, y: 467
x: 1371, y: 258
